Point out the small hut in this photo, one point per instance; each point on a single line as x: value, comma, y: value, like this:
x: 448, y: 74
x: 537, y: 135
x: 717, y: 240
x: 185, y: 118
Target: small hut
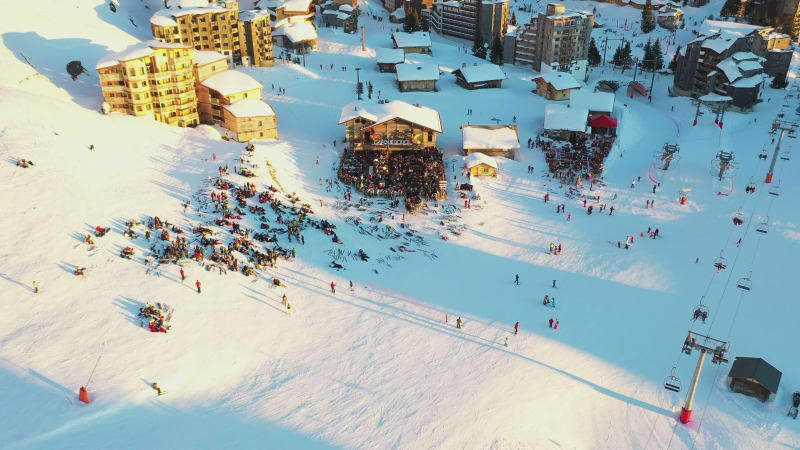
x: 416, y: 77
x: 480, y: 76
x: 754, y: 377
x: 388, y: 58
x: 555, y: 85
x: 481, y: 165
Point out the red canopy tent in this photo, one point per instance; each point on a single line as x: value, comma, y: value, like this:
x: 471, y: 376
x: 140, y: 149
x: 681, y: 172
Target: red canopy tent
x: 603, y: 121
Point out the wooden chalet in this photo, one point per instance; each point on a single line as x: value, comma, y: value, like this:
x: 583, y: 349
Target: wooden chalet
x: 754, y: 377
x: 390, y: 126
x: 480, y: 76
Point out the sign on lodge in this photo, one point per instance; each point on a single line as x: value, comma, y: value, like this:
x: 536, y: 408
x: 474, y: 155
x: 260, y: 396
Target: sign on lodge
x: 397, y: 139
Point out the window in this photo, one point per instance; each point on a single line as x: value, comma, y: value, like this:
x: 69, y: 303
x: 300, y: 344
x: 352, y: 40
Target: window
x: 138, y: 108
x: 430, y: 136
x: 260, y: 123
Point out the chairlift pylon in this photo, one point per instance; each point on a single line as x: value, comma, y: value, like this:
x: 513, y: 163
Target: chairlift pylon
x: 672, y: 383
x: 763, y: 227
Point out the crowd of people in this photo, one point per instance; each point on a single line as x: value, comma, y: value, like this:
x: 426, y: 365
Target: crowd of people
x: 414, y: 175
x: 572, y: 161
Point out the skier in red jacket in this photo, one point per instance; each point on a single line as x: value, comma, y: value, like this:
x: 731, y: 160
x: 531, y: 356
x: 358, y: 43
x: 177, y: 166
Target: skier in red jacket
x: 183, y: 276
x: 516, y: 328
x: 198, y: 286
x: 333, y: 287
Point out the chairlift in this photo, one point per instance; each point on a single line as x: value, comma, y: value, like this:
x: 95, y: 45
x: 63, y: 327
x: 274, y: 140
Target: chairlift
x: 763, y: 154
x: 720, y: 263
x: 786, y: 156
x: 738, y: 218
x: 700, y: 312
x: 751, y: 187
x: 775, y: 190
x: 745, y: 283
x: 672, y: 383
x: 763, y: 227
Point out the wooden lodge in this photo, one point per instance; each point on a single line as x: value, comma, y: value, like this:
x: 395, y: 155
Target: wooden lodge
x: 390, y: 126
x: 416, y: 77
x: 754, y: 377
x: 480, y: 165
x: 480, y: 76
x: 555, y: 85
x: 388, y: 58
x: 418, y: 42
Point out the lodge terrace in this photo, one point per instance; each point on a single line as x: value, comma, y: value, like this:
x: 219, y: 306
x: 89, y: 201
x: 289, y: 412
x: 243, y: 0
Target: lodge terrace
x: 391, y: 151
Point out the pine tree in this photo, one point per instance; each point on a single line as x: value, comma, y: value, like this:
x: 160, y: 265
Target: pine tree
x: 594, y: 54
x: 411, y: 23
x: 658, y: 57
x: 617, y: 59
x: 478, y: 46
x: 648, y: 22
x: 731, y: 8
x: 674, y: 62
x: 513, y: 18
x: 626, y: 59
x: 647, y: 60
x: 369, y: 89
x: 496, y: 55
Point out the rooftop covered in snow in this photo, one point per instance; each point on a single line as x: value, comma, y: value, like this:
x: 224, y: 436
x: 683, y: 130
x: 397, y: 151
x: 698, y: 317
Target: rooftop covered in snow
x: 408, y: 40
x: 478, y: 158
x: 564, y: 118
x: 202, y: 57
x: 417, y: 72
x: 296, y: 32
x: 395, y: 109
x: 482, y: 72
x: 489, y: 137
x: 390, y: 55
x: 250, y: 107
x: 230, y: 82
x: 135, y: 51
x: 559, y: 80
x: 593, y: 101
x: 166, y: 17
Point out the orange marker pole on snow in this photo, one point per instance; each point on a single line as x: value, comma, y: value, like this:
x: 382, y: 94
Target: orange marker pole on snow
x: 83, y: 395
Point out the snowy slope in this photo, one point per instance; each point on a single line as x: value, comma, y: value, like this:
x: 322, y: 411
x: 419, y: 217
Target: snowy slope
x: 376, y: 367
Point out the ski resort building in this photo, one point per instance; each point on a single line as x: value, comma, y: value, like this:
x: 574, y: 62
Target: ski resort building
x: 754, y: 377
x: 491, y: 140
x: 731, y: 59
x: 298, y: 36
x: 390, y: 125
x: 208, y: 63
x: 463, y: 19
x: 216, y: 27
x: 480, y: 76
x: 151, y: 78
x: 388, y: 58
x: 418, y: 42
x: 565, y: 123
x: 558, y: 39
x: 597, y: 103
x: 417, y: 77
x: 480, y: 165
x: 232, y: 99
x: 554, y: 85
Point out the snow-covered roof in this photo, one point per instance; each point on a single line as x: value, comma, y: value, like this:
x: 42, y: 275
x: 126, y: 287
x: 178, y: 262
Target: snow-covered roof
x: 166, y: 17
x: 249, y: 107
x: 203, y: 57
x: 383, y: 112
x: 746, y: 56
x: 341, y: 15
x: 399, y: 13
x: 730, y: 69
x: 593, y: 101
x: 481, y: 137
x: 296, y: 31
x: 187, y: 3
x: 296, y: 5
x: 747, y: 66
x: 346, y: 8
x: 406, y: 40
x: 776, y: 35
x: 482, y: 72
x: 559, y: 80
x: 417, y: 72
x: 452, y: 3
x: 478, y: 158
x: 734, y: 28
x: 269, y: 4
x: 749, y: 82
x: 712, y: 97
x: 253, y: 14
x: 718, y: 44
x: 163, y: 18
x: 563, y: 117
x: 230, y: 82
x: 390, y: 55
x: 135, y: 51
x: 493, y: 2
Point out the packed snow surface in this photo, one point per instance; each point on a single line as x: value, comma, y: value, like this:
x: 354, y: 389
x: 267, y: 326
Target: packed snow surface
x: 382, y: 365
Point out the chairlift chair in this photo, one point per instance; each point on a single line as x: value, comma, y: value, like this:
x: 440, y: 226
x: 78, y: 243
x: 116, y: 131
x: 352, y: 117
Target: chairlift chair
x: 700, y: 312
x: 763, y: 154
x: 672, y: 383
x: 775, y: 190
x: 786, y: 156
x: 721, y: 263
x: 745, y: 283
x: 751, y: 187
x: 738, y: 218
x: 763, y: 227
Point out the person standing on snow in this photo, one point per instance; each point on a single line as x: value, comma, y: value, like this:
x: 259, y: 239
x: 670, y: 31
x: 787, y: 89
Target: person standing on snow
x: 516, y: 328
x: 197, y: 283
x: 506, y: 342
x: 554, y: 283
x: 284, y: 300
x: 551, y: 322
x: 458, y: 322
x: 555, y: 325
x: 35, y: 287
x: 333, y: 287
x: 183, y: 276
x: 516, y: 279
x: 351, y: 285
x: 553, y: 302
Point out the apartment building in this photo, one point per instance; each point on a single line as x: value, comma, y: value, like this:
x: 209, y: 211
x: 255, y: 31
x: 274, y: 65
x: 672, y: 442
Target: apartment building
x: 463, y: 19
x: 559, y: 38
x: 731, y: 59
x: 151, y: 78
x: 217, y: 27
x: 232, y: 99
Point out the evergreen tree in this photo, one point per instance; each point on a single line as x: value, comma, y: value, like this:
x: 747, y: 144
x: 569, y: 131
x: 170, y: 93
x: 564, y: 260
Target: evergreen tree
x: 625, y: 58
x: 411, y: 23
x: 617, y: 59
x: 648, y: 22
x: 369, y: 89
x: 674, y: 62
x: 594, y: 54
x: 496, y: 55
x: 513, y: 18
x: 658, y: 57
x: 647, y: 61
x: 730, y: 8
x: 478, y: 46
